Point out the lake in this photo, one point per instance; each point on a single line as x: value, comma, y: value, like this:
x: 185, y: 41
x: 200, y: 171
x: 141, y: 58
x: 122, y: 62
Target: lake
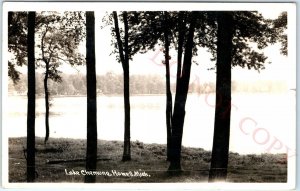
x: 260, y: 122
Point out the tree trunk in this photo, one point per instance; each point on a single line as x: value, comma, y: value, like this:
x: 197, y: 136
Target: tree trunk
x: 180, y: 43
x: 180, y: 101
x: 126, y: 153
x: 169, y: 104
x: 91, y: 153
x: 219, y: 160
x: 124, y: 57
x: 46, y: 102
x: 119, y: 41
x: 31, y: 99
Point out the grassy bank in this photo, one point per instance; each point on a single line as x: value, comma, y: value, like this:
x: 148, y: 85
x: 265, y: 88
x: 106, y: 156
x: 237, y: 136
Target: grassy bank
x: 60, y: 155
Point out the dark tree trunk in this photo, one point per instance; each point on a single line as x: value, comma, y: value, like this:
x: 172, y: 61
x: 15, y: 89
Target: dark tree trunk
x: 124, y: 57
x: 180, y: 101
x: 119, y: 41
x: 31, y: 99
x: 126, y: 153
x: 91, y: 153
x: 46, y: 102
x: 219, y: 160
x: 178, y: 78
x: 169, y: 104
x: 180, y: 43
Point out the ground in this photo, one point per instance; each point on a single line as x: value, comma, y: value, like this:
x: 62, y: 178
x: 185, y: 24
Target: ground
x: 53, y: 163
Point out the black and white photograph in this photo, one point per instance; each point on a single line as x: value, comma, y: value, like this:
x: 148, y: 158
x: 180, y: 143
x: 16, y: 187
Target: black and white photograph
x: 199, y: 95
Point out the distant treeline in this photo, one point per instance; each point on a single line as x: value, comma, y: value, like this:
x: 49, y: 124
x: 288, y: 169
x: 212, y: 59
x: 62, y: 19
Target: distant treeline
x: 112, y: 84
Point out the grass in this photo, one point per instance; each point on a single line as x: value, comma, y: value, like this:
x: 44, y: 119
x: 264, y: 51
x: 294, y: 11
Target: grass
x: 149, y: 158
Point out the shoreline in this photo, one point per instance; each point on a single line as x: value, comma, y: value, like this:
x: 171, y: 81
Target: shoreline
x: 63, y: 160
x: 144, y: 143
x: 290, y: 91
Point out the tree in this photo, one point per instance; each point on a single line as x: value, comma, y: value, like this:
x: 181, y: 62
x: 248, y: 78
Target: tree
x: 146, y: 29
x: 181, y: 97
x: 169, y: 103
x: 156, y: 28
x: 59, y: 39
x: 91, y: 152
x: 124, y: 57
x: 151, y: 28
x: 220, y: 150
x: 235, y: 31
x: 17, y: 43
x: 31, y: 99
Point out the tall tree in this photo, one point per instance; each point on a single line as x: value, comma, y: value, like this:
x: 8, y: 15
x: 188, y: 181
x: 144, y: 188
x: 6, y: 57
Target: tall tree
x: 162, y: 28
x: 235, y: 31
x: 169, y: 103
x: 155, y: 28
x: 59, y: 40
x: 91, y: 152
x: 124, y: 57
x: 31, y: 99
x: 182, y: 87
x: 220, y: 150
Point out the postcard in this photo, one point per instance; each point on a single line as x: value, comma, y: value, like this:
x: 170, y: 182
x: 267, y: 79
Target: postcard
x: 149, y: 95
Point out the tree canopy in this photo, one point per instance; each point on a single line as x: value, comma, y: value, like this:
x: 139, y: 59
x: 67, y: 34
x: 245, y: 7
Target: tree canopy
x: 59, y: 36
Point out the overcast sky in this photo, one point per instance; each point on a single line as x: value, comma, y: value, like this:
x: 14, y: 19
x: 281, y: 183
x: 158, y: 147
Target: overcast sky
x: 281, y: 67
x: 151, y: 62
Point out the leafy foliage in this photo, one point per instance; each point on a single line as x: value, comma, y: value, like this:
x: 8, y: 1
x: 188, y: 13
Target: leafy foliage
x: 13, y: 73
x: 252, y: 34
x: 279, y: 27
x: 17, y: 42
x: 59, y: 38
x: 60, y: 33
x: 148, y: 28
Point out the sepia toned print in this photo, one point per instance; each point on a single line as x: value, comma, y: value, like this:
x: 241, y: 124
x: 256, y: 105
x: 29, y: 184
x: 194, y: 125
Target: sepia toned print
x: 150, y: 96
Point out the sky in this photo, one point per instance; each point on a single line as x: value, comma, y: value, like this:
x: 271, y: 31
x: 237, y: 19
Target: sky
x: 151, y: 62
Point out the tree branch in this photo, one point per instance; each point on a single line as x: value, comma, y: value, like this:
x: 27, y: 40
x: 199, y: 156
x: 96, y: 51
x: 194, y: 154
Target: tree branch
x: 117, y: 31
x: 42, y: 45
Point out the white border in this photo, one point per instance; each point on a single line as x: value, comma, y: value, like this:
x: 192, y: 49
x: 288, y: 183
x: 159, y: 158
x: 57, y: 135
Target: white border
x: 145, y: 6
x: 104, y: 6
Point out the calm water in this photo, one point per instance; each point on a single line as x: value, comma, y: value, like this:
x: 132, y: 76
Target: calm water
x: 269, y: 120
